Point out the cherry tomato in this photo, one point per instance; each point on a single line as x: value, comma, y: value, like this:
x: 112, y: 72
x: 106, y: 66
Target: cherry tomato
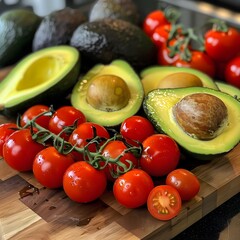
x: 164, y: 202
x: 153, y: 20
x: 6, y: 129
x: 160, y: 155
x: 232, y: 72
x: 83, y: 133
x: 49, y: 167
x: 63, y: 117
x: 222, y: 46
x: 132, y: 188
x: 34, y: 111
x: 136, y: 128
x: 83, y: 183
x: 113, y: 150
x: 160, y: 35
x: 20, y: 150
x: 186, y: 183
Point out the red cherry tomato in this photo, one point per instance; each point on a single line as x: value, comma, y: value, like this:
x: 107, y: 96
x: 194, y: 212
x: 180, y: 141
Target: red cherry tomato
x: 160, y: 35
x: 160, y: 155
x: 232, y: 72
x: 83, y: 183
x: 164, y: 202
x: 136, y: 128
x: 63, y: 117
x: 49, y: 167
x: 83, y: 133
x: 132, y: 188
x: 113, y: 150
x: 20, y: 150
x: 186, y: 183
x: 222, y: 46
x: 34, y: 111
x: 153, y: 20
x: 6, y: 129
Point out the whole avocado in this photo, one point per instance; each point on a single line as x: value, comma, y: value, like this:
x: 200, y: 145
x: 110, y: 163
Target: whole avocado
x: 115, y: 9
x: 57, y: 28
x: 17, y: 29
x: 106, y: 40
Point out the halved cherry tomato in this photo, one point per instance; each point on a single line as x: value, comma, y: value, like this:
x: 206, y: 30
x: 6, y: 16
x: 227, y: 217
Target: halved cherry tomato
x: 164, y: 202
x: 160, y: 155
x: 132, y: 188
x: 83, y: 183
x: 185, y: 182
x: 232, y: 72
x: 6, y: 129
x: 49, y: 167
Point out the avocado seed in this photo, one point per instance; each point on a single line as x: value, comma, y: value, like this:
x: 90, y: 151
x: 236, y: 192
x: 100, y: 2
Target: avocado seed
x: 108, y: 93
x: 180, y: 80
x: 201, y: 115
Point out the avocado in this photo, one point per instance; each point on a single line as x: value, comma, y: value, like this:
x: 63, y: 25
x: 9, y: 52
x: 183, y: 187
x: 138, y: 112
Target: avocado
x: 57, y: 28
x: 116, y: 9
x: 152, y: 76
x: 108, y: 94
x: 106, y: 40
x: 17, y: 29
x: 203, y: 121
x: 230, y: 89
x: 44, y: 76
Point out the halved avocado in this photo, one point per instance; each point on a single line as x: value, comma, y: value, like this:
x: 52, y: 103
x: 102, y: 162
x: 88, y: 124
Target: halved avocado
x: 230, y: 89
x: 152, y: 76
x: 43, y: 76
x: 160, y: 107
x: 120, y: 93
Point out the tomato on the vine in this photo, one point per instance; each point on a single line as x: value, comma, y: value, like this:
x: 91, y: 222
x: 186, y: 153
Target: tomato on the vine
x: 132, y: 188
x: 232, y: 72
x: 63, y: 117
x: 83, y: 183
x: 6, y: 129
x: 160, y: 155
x: 49, y: 167
x: 186, y: 183
x: 164, y: 202
x: 20, y: 150
x: 34, y: 111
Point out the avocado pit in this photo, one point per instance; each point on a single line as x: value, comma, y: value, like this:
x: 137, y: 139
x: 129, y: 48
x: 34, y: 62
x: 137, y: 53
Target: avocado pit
x: 201, y: 115
x: 108, y: 93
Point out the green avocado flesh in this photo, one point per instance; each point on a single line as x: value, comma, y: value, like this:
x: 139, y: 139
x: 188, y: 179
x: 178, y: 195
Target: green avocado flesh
x: 159, y: 105
x: 151, y: 76
x: 117, y: 68
x: 42, y: 75
x: 227, y: 88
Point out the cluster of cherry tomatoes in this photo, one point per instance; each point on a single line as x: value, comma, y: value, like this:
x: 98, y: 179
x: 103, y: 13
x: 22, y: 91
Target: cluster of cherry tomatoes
x: 84, y: 180
x: 217, y: 52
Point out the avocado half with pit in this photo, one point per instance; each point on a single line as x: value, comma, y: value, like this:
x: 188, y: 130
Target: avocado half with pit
x: 41, y: 77
x: 174, y: 77
x: 108, y: 94
x: 203, y: 121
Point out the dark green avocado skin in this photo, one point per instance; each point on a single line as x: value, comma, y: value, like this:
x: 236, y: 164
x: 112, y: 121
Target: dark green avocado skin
x: 57, y: 28
x: 106, y: 40
x: 115, y: 9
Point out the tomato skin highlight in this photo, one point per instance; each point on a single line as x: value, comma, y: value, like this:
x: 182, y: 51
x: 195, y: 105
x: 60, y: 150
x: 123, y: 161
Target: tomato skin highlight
x: 185, y: 182
x: 160, y: 155
x: 132, y: 188
x: 49, y: 167
x: 164, y: 202
x: 83, y: 183
x: 20, y: 150
x: 232, y: 72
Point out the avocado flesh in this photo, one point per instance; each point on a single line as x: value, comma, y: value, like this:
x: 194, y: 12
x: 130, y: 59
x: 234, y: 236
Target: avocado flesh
x: 151, y: 76
x: 227, y: 88
x: 44, y: 74
x: 118, y: 68
x: 158, y: 106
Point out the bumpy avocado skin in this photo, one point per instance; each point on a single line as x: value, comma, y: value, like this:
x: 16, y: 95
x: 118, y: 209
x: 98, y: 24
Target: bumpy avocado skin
x: 17, y: 29
x: 106, y: 40
x: 57, y: 28
x: 115, y: 9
